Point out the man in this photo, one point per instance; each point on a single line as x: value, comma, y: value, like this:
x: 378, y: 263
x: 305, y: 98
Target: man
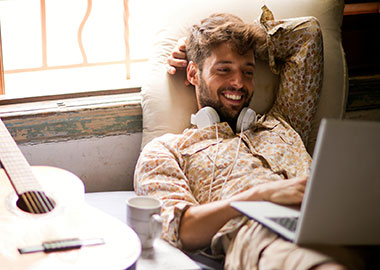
x: 198, y: 173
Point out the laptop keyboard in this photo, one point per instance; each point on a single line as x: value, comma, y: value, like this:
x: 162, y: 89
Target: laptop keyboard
x: 288, y: 222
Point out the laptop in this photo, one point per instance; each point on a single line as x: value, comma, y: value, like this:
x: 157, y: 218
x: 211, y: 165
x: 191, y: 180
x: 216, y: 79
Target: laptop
x: 341, y: 204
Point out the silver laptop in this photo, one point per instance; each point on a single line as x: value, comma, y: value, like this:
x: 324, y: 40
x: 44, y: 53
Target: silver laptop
x: 341, y: 205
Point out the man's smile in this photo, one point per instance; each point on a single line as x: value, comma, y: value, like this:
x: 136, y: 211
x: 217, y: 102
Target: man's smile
x: 233, y: 96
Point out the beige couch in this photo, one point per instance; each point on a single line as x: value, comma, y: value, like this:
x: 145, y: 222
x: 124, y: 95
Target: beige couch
x: 167, y: 103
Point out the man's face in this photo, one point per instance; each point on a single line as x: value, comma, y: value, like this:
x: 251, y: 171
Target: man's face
x: 226, y: 82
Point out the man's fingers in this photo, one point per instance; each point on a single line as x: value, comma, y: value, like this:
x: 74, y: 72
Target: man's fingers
x: 178, y: 55
x: 177, y: 59
x: 171, y: 70
x: 177, y: 62
x: 174, y: 64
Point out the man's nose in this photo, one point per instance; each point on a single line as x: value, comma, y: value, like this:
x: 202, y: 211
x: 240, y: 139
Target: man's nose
x: 237, y: 80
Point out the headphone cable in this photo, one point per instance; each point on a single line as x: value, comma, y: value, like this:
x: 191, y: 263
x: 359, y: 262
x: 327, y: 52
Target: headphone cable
x: 232, y: 166
x: 214, y: 162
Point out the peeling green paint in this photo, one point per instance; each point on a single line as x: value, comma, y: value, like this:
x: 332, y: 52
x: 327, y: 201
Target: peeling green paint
x: 74, y: 124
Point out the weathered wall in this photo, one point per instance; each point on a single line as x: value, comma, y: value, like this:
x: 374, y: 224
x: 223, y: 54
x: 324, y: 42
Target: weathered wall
x: 103, y: 163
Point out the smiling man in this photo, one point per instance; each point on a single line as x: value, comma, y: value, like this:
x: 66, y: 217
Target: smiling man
x: 198, y: 173
x: 221, y: 65
x: 225, y: 83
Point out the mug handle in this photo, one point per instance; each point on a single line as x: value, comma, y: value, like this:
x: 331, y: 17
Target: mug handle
x: 155, y: 226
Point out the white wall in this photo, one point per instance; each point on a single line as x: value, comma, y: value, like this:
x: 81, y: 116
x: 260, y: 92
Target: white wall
x: 103, y: 164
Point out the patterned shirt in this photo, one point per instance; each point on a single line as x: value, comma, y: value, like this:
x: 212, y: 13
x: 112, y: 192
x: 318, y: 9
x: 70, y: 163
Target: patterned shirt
x: 213, y: 163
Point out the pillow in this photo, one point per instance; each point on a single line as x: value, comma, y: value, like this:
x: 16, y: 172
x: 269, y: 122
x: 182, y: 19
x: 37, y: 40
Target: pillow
x: 167, y: 103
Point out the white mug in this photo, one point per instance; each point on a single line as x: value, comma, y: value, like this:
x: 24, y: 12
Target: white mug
x: 143, y: 216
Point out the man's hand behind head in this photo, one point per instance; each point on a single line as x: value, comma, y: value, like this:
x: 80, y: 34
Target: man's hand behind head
x: 177, y: 59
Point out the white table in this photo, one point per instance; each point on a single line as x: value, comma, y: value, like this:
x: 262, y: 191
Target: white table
x: 162, y: 255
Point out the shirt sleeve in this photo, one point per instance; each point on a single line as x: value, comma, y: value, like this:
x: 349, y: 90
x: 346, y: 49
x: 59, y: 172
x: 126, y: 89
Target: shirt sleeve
x: 158, y: 174
x: 295, y: 52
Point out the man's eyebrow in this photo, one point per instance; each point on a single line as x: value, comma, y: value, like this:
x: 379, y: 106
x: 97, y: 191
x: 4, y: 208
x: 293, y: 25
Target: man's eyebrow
x: 223, y: 62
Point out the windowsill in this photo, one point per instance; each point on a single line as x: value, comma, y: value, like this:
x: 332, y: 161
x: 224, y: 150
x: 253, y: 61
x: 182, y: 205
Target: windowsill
x: 72, y: 116
x: 19, y: 101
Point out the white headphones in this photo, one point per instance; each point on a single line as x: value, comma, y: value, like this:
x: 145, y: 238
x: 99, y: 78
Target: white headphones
x: 207, y: 116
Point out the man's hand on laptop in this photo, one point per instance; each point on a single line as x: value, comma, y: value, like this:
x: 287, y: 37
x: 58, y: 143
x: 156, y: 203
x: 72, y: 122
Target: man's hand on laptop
x: 288, y: 192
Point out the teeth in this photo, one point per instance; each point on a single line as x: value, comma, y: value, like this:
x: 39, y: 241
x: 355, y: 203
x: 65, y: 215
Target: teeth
x: 233, y: 97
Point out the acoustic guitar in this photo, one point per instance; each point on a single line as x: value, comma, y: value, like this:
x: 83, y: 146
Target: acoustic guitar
x: 46, y: 224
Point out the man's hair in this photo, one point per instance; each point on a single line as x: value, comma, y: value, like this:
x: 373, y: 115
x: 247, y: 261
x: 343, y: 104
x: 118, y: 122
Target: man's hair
x: 217, y: 29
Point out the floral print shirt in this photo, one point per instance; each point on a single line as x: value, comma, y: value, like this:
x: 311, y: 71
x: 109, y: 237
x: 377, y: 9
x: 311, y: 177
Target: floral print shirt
x: 213, y: 163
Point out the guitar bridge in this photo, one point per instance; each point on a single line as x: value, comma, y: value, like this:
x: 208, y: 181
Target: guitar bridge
x: 61, y: 245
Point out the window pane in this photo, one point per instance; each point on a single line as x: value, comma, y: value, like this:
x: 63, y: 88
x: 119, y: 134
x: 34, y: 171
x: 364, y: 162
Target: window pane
x: 21, y: 34
x: 102, y: 36
x: 62, y: 22
x: 142, y: 26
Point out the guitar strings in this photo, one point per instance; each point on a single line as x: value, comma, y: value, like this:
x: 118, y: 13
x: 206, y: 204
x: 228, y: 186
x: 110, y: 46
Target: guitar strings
x: 37, y: 202
x: 29, y: 203
x: 48, y: 202
x: 43, y: 201
x: 43, y: 207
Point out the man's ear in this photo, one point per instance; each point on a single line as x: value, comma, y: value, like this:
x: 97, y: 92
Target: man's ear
x: 192, y: 73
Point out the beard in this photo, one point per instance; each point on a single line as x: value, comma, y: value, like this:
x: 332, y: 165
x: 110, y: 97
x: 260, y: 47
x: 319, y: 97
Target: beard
x: 225, y: 114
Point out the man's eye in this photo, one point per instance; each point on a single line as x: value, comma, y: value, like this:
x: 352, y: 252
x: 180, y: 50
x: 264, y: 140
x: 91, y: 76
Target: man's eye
x: 248, y: 73
x: 223, y: 70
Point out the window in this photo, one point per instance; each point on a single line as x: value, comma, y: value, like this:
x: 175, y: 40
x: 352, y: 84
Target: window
x: 54, y: 47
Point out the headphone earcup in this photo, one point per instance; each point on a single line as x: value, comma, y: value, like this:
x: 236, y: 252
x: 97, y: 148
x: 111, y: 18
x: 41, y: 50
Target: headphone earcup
x: 246, y: 118
x: 205, y: 117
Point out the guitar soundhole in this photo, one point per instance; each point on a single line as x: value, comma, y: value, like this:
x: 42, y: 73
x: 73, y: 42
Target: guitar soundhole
x: 35, y: 202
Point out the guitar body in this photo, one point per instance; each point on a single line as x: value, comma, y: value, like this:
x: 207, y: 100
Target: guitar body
x: 70, y: 218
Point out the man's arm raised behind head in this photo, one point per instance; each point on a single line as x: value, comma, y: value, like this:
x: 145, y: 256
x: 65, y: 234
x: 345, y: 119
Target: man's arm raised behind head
x: 298, y: 44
